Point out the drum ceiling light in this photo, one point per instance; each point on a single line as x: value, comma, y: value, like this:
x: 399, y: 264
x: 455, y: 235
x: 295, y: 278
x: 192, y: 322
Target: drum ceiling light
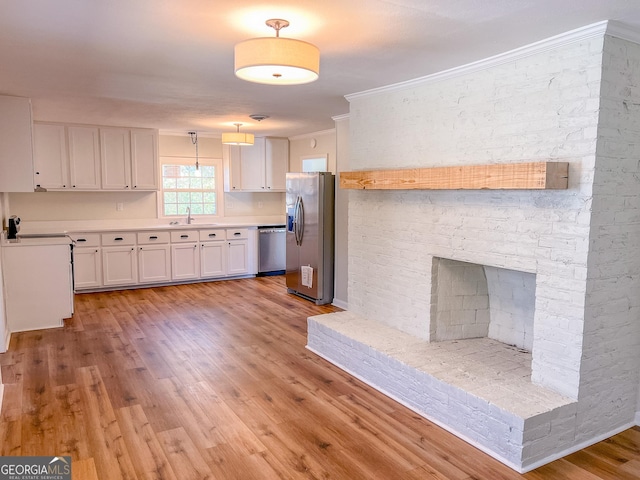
x: 277, y: 60
x: 237, y: 138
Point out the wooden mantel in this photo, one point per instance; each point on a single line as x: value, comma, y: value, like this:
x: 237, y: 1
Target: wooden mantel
x: 507, y: 176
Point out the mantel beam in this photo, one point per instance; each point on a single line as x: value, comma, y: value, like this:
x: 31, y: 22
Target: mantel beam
x: 506, y: 176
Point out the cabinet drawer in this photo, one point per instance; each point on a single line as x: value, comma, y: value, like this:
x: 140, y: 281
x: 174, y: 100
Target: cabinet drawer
x: 209, y: 235
x: 179, y: 236
x: 234, y: 233
x: 148, y: 238
x: 86, y: 239
x: 109, y: 239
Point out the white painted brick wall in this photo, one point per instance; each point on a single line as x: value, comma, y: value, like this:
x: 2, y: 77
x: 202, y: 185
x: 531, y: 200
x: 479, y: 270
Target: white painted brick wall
x: 578, y: 103
x: 512, y: 299
x: 611, y: 358
x: 541, y: 107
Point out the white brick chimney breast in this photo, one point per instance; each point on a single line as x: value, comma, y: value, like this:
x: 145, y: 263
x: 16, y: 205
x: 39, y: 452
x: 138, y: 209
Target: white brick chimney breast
x: 548, y: 300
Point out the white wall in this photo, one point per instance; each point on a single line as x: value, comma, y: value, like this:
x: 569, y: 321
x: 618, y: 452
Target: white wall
x: 318, y: 143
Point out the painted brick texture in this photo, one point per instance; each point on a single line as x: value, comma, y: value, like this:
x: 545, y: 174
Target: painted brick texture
x: 541, y: 107
x: 579, y: 247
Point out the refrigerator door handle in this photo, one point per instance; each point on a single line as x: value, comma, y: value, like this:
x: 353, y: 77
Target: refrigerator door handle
x: 295, y: 220
x: 300, y: 225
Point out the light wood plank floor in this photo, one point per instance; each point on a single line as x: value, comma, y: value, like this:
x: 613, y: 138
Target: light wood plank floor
x: 212, y: 381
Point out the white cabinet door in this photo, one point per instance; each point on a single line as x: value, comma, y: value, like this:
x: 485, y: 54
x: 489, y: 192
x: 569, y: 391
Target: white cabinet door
x: 16, y: 145
x: 50, y: 158
x: 84, y: 158
x: 154, y: 263
x: 185, y: 261
x: 276, y: 164
x: 87, y: 268
x: 238, y: 257
x: 252, y: 166
x: 144, y: 159
x: 232, y: 170
x: 213, y: 259
x: 115, y: 146
x: 119, y: 265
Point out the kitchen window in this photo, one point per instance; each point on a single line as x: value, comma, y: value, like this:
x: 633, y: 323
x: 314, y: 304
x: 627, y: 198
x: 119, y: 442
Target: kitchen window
x: 184, y: 186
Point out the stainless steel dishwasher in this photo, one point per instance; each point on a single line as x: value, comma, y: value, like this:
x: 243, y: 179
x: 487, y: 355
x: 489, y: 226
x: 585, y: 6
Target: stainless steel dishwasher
x: 272, y: 255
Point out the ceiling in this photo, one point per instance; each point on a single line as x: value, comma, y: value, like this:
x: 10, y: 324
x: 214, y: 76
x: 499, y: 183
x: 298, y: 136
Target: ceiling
x: 168, y: 64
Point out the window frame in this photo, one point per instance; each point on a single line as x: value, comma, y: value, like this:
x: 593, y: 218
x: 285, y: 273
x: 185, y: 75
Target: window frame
x: 203, y: 161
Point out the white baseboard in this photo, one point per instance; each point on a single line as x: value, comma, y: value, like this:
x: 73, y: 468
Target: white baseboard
x: 7, y: 341
x: 638, y: 419
x: 340, y: 304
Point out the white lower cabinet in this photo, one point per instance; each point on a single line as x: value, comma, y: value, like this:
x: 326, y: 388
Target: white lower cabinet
x: 185, y: 261
x: 87, y: 268
x: 87, y: 261
x: 238, y: 263
x: 121, y: 259
x: 154, y: 263
x: 213, y: 259
x: 119, y: 266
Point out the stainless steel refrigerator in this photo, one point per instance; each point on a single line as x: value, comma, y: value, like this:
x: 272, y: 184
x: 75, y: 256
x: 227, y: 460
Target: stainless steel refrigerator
x: 309, y: 238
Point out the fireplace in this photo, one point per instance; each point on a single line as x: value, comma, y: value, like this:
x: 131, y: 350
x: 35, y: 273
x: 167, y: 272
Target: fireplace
x: 474, y: 301
x: 510, y: 318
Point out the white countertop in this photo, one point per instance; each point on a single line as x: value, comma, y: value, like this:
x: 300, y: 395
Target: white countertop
x: 36, y: 241
x: 85, y: 226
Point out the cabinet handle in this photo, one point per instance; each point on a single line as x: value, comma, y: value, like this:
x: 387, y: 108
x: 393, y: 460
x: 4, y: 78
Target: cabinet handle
x: 132, y: 249
x: 153, y: 237
x: 135, y: 186
x: 237, y: 234
x: 72, y: 186
x: 126, y: 186
x: 195, y: 245
x: 212, y: 234
x: 117, y: 239
x: 96, y: 250
x: 37, y: 173
x: 81, y: 240
x: 184, y: 236
x: 37, y: 185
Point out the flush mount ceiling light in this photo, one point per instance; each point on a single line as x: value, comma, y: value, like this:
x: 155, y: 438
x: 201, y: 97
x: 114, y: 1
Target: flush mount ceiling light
x: 277, y: 60
x: 237, y: 138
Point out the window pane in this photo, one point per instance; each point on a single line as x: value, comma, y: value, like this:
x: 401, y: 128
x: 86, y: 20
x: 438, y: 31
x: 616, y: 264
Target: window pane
x: 171, y: 209
x: 183, y: 186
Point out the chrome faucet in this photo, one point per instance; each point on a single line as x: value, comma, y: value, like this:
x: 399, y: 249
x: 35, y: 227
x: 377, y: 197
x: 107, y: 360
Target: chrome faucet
x: 189, y: 219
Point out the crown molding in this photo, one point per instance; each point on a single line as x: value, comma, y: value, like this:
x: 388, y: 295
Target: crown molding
x: 590, y: 31
x: 624, y: 31
x: 340, y: 118
x: 185, y: 133
x: 313, y: 134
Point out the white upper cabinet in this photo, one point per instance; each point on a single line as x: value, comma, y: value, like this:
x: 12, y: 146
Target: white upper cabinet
x: 16, y: 145
x: 144, y: 159
x: 258, y: 168
x: 84, y: 158
x: 276, y: 163
x: 51, y: 160
x: 115, y: 146
x: 66, y: 157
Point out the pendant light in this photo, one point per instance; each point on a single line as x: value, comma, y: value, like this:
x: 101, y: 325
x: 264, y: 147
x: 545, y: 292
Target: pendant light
x: 237, y: 138
x: 276, y: 60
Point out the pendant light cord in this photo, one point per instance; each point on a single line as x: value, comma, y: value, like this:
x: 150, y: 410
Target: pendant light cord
x: 194, y: 140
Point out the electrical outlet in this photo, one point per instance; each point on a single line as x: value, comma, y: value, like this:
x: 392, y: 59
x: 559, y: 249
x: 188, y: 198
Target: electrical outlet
x: 119, y: 206
x: 229, y: 205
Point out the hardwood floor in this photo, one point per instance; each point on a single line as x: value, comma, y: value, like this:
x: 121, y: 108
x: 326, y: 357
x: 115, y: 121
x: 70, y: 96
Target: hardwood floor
x: 212, y: 381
